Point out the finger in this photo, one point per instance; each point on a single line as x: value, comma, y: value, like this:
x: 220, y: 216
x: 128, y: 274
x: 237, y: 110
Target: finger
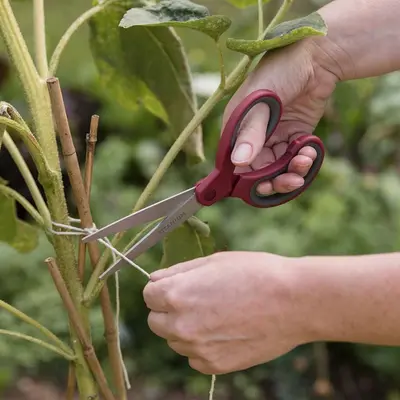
x: 200, y: 365
x: 309, y: 151
x: 288, y: 182
x: 177, y: 269
x: 300, y: 165
x: 251, y: 136
x: 265, y: 188
x: 160, y: 324
x: 155, y: 296
x: 182, y: 348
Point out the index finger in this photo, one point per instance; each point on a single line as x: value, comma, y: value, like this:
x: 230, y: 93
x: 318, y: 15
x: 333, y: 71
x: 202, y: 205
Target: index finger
x: 155, y: 296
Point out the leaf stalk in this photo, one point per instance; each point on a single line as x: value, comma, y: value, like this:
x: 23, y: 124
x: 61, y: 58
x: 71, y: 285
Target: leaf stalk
x: 46, y: 345
x: 40, y: 38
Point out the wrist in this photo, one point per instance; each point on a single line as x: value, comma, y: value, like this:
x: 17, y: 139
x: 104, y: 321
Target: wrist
x: 295, y: 292
x: 363, y: 38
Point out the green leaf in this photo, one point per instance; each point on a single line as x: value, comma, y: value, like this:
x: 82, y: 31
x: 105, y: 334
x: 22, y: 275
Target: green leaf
x: 178, y: 13
x: 282, y: 35
x: 185, y: 243
x: 245, y: 3
x: 16, y: 233
x: 147, y: 65
x: 26, y: 239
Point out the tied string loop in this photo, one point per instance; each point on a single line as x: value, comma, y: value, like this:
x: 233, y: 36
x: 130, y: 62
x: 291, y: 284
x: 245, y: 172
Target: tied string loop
x: 75, y: 231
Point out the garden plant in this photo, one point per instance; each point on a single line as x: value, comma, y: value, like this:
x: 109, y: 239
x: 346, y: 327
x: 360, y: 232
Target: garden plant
x: 142, y: 62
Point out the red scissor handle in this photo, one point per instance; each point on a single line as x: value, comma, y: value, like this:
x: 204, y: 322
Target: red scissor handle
x: 223, y: 182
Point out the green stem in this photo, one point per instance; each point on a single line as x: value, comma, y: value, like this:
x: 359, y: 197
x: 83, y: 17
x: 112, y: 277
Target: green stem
x: 40, y: 38
x: 55, y: 58
x: 30, y: 181
x: 22, y: 316
x: 46, y: 175
x: 279, y: 15
x: 260, y: 17
x: 55, y: 349
x: 35, y: 89
x: 221, y: 66
x: 24, y: 203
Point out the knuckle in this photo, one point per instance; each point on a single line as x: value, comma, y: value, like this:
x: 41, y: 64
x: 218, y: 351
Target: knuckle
x: 183, y: 330
x: 172, y: 299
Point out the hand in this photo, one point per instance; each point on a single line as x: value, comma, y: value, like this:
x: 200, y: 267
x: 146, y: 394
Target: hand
x: 302, y: 78
x: 226, y: 312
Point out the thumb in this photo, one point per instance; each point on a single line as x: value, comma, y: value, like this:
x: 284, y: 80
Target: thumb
x: 284, y: 72
x: 251, y: 136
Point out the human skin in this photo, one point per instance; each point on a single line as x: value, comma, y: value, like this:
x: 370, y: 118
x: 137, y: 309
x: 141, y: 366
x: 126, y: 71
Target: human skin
x: 234, y: 310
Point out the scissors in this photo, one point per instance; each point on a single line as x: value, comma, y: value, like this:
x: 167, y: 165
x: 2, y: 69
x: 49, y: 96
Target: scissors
x: 221, y: 183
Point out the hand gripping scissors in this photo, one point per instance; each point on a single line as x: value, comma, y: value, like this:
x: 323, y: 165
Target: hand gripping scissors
x: 222, y: 182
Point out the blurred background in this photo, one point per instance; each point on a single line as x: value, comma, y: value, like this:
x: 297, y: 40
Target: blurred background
x: 353, y: 208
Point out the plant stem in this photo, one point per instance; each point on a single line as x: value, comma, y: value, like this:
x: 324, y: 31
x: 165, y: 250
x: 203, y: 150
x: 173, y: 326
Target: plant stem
x: 34, y: 88
x: 90, y: 147
x: 29, y: 180
x: 46, y: 175
x: 71, y: 383
x: 82, y: 203
x: 260, y: 17
x: 24, y: 203
x: 22, y: 316
x: 48, y: 346
x: 279, y: 15
x: 79, y: 327
x: 221, y: 66
x: 40, y: 38
x: 2, y: 132
x: 55, y: 58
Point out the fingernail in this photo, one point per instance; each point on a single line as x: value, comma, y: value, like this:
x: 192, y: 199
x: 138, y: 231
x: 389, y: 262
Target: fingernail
x: 242, y: 153
x: 296, y: 183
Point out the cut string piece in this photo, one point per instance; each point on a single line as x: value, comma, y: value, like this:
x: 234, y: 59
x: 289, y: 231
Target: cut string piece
x: 75, y: 231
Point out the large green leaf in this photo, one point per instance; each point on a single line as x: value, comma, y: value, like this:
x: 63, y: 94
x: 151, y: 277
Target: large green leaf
x: 286, y: 33
x: 245, y: 3
x: 185, y: 243
x: 177, y: 13
x: 16, y: 233
x: 146, y: 65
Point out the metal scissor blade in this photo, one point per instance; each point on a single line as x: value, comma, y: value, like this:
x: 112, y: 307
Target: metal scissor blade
x: 176, y: 218
x: 150, y: 213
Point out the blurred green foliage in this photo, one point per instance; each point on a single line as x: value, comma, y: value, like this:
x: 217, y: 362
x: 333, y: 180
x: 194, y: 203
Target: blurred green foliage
x: 353, y: 208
